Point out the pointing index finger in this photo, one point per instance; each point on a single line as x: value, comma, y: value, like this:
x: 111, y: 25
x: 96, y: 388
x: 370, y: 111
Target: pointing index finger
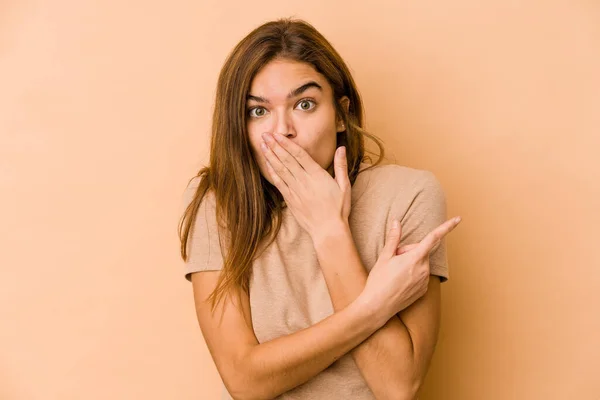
x: 436, y: 235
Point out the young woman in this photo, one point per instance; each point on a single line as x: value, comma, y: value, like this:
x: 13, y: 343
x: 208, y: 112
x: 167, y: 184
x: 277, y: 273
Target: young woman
x: 304, y: 285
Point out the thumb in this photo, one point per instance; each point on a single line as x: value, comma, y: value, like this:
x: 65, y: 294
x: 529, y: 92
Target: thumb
x: 393, y: 239
x: 341, y: 167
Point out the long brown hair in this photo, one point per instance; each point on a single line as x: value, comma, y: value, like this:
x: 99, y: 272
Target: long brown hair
x: 249, y: 206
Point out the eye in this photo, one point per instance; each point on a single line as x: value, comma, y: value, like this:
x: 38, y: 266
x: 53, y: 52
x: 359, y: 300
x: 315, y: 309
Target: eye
x: 306, y: 105
x: 257, y: 112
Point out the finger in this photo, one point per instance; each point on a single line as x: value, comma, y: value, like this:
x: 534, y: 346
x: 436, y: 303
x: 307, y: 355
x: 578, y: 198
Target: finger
x: 393, y: 239
x: 282, y: 172
x: 406, y: 248
x: 278, y: 182
x: 301, y: 156
x: 341, y: 168
x: 437, y: 235
x: 287, y: 159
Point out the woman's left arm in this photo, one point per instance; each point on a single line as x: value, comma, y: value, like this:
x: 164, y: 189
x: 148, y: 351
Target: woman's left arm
x: 394, y: 360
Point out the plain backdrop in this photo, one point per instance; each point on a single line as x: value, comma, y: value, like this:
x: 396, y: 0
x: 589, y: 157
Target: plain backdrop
x: 105, y: 113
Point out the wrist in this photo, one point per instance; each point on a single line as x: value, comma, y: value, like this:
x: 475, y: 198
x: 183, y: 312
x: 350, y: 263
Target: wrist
x: 330, y: 233
x: 369, y: 306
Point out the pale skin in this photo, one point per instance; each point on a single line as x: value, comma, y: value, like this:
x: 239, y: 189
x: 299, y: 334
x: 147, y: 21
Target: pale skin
x: 387, y: 319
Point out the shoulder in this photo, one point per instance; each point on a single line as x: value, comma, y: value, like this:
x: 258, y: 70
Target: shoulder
x: 401, y: 180
x: 191, y: 190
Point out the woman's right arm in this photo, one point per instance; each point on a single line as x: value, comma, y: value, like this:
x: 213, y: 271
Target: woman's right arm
x: 251, y: 370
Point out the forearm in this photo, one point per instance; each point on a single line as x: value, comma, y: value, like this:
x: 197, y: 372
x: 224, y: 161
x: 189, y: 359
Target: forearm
x: 385, y: 359
x: 281, y: 364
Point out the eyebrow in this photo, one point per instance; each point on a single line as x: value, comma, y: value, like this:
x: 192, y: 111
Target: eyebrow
x: 293, y: 93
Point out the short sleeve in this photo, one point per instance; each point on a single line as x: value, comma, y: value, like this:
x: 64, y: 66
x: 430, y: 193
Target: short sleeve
x: 203, y: 248
x: 426, y: 211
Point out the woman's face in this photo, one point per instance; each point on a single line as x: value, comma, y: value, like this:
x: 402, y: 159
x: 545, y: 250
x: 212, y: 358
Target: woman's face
x: 293, y: 99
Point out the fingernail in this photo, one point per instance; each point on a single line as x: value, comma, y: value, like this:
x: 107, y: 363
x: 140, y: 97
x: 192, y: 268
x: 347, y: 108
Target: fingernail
x: 395, y: 224
x: 343, y: 151
x: 457, y: 219
x: 278, y: 137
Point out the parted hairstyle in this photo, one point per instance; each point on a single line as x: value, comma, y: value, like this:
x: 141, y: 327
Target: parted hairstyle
x: 248, y: 207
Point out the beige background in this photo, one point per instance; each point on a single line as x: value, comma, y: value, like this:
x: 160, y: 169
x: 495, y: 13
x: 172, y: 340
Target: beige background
x: 104, y: 115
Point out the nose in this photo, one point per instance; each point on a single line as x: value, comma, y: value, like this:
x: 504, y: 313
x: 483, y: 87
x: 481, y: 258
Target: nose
x: 284, y: 125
